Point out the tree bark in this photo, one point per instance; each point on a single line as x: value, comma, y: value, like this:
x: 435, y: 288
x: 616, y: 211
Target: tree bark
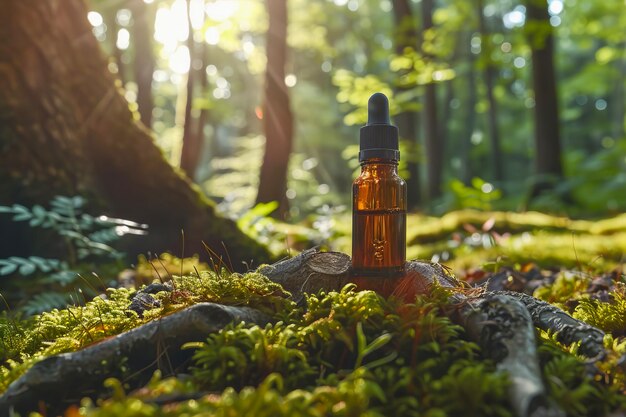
x: 492, y: 114
x: 144, y: 59
x: 277, y: 117
x: 405, y: 36
x: 547, y: 132
x: 67, y: 130
x: 432, y: 138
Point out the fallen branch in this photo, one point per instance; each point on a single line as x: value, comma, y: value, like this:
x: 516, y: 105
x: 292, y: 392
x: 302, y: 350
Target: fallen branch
x: 68, y: 377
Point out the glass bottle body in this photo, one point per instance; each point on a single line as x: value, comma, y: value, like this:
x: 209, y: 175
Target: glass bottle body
x: 378, y: 220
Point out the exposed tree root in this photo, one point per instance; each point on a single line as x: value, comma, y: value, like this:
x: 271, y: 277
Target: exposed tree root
x: 502, y: 323
x: 68, y: 377
x: 502, y: 326
x: 568, y: 330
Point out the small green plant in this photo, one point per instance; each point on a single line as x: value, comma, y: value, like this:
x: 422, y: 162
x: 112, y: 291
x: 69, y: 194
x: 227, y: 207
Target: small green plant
x: 86, y: 238
x: 480, y: 195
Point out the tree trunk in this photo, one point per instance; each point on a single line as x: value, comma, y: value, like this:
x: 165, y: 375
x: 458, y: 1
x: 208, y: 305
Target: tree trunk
x: 405, y: 36
x: 433, y: 141
x: 66, y: 130
x: 547, y: 135
x: 619, y: 96
x: 277, y: 117
x: 204, y: 112
x: 192, y: 140
x: 144, y: 58
x: 110, y: 19
x: 492, y: 115
x: 469, y: 123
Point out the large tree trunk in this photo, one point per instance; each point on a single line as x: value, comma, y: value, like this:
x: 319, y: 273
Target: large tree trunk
x: 67, y: 130
x: 144, y: 58
x: 277, y: 117
x: 433, y: 139
x: 405, y: 36
x: 547, y: 135
x: 492, y: 114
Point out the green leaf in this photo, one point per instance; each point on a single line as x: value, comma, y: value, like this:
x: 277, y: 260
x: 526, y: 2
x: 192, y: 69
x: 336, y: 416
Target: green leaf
x: 42, y: 264
x: 22, y: 216
x: 8, y: 268
x: 27, y: 269
x: 379, y: 342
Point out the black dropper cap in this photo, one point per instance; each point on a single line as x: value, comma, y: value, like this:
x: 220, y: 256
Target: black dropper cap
x: 379, y: 138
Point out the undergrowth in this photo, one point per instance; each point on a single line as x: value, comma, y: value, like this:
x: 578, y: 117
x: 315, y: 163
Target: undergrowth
x: 344, y: 353
x: 24, y: 342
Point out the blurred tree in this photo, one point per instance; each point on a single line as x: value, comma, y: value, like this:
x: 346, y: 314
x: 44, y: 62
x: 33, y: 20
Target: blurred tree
x: 66, y: 130
x: 547, y: 136
x: 433, y: 137
x: 192, y: 130
x: 277, y: 116
x: 492, y: 113
x: 469, y: 120
x: 144, y: 64
x: 110, y: 19
x: 405, y: 37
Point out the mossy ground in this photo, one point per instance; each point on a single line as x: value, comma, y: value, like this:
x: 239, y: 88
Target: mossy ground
x: 346, y: 353
x: 470, y: 239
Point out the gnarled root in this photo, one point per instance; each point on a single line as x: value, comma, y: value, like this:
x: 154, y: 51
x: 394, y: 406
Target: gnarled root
x: 68, y: 377
x: 568, y: 330
x: 502, y: 326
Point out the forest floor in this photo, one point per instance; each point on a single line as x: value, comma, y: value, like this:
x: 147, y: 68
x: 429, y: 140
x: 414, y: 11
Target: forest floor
x: 353, y: 352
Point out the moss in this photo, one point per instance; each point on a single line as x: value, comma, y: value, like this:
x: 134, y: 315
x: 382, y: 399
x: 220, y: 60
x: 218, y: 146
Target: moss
x: 609, y: 316
x: 69, y: 329
x: 344, y: 353
x: 468, y: 239
x: 347, y: 353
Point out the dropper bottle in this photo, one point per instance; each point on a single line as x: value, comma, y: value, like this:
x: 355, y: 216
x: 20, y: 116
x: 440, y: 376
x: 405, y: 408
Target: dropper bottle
x: 378, y: 198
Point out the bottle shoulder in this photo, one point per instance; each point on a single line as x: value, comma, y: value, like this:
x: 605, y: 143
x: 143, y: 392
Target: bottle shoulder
x: 389, y: 180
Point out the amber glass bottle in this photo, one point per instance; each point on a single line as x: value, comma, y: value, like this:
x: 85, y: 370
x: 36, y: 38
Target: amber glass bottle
x: 378, y: 198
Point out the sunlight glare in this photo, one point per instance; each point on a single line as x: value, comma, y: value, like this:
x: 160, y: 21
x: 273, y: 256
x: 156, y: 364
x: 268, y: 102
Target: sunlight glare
x: 290, y: 80
x: 515, y: 18
x: 170, y: 26
x: 212, y: 36
x: 555, y: 7
x: 179, y: 60
x: 221, y: 10
x: 196, y: 13
x: 123, y: 39
x: 95, y: 18
x: 123, y: 17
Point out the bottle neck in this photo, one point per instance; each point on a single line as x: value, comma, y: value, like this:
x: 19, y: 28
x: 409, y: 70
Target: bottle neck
x: 380, y: 166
